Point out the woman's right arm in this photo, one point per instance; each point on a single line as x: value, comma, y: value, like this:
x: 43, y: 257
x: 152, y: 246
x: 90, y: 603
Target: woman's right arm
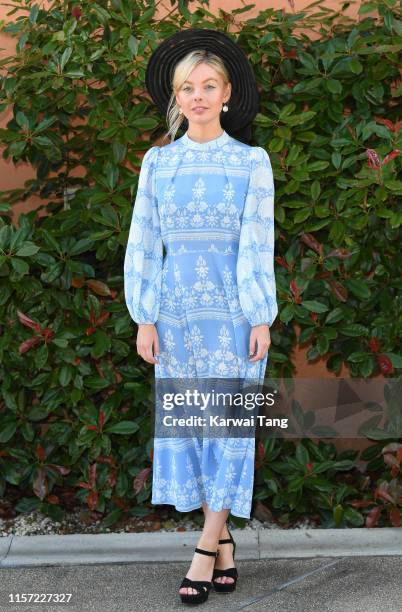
x: 143, y: 260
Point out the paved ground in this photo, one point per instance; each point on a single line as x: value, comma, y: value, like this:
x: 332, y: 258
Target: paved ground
x: 325, y: 584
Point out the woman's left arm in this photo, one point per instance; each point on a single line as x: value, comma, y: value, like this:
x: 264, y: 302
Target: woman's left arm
x: 255, y: 263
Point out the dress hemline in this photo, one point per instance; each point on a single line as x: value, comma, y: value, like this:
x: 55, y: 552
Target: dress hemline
x: 170, y: 503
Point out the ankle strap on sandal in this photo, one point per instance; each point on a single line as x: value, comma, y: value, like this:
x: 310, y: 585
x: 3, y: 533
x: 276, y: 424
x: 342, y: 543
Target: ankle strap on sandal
x: 207, y: 552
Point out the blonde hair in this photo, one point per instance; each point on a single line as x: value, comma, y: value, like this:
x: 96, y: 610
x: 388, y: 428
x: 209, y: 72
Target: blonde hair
x: 182, y: 70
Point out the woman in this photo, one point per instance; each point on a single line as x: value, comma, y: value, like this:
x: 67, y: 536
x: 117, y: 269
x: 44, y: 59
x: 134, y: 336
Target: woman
x: 205, y: 309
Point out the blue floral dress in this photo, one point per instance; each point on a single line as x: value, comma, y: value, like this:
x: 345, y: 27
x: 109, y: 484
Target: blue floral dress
x: 211, y: 206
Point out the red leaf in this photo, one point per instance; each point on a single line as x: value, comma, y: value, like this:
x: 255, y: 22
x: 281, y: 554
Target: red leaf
x: 102, y: 418
x: 47, y: 334
x: 373, y: 516
x: 282, y: 262
x: 92, y: 427
x: 373, y: 159
x: 339, y: 290
x: 77, y: 283
x: 98, y: 287
x: 311, y: 242
x: 84, y: 485
x: 120, y: 503
x: 387, y: 123
x: 140, y: 479
x: 339, y: 253
x: 390, y: 460
x: 103, y: 317
x: 294, y: 288
x: 105, y: 459
x: 395, y: 517
x: 391, y: 156
x: 92, y: 500
x: 52, y: 499
x: 392, y: 447
x: 28, y: 322
x: 374, y: 344
x: 379, y: 492
x: 60, y: 468
x: 40, y: 487
x: 385, y: 364
x: 92, y: 474
x: 40, y: 452
x: 76, y: 12
x: 29, y: 343
x: 361, y: 503
x: 112, y: 479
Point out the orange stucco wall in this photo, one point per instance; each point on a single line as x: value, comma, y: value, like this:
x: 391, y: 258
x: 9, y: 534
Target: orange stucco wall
x: 13, y: 176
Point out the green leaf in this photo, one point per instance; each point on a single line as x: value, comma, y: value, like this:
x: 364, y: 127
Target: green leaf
x: 65, y: 57
x: 354, y: 517
x: 359, y: 288
x: 314, y: 306
x: 124, y: 428
x: 112, y: 517
x: 145, y: 123
x: 7, y: 430
x: 296, y: 483
x: 358, y: 356
x: 344, y: 465
x: 302, y: 215
x: 81, y: 246
x: 354, y: 329
x: 334, y: 316
x: 302, y: 455
x: 334, y: 86
x: 27, y: 249
x: 322, y: 466
x: 28, y: 504
x: 65, y: 375
x: 33, y: 14
x: 20, y: 266
x: 337, y: 514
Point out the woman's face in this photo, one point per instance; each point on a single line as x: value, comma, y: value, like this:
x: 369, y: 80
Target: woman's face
x: 202, y: 95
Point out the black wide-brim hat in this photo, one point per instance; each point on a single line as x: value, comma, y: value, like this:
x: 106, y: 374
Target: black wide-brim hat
x: 244, y: 101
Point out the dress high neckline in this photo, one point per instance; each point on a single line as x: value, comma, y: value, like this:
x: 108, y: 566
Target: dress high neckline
x: 215, y: 143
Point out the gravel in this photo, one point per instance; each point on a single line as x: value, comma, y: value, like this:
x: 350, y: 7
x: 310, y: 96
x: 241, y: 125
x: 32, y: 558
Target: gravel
x: 82, y: 521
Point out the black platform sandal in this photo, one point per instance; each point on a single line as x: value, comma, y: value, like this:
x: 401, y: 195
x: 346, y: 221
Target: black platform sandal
x: 231, y: 572
x: 202, y: 586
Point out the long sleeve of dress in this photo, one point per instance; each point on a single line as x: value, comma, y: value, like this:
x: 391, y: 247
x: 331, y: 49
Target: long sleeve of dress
x: 143, y: 260
x: 255, y: 263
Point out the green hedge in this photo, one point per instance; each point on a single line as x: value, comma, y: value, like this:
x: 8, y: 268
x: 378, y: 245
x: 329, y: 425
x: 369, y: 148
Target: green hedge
x: 75, y: 408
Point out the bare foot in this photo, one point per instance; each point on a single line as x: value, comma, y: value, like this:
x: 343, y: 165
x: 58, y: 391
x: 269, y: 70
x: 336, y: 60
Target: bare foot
x: 202, y: 566
x: 225, y: 559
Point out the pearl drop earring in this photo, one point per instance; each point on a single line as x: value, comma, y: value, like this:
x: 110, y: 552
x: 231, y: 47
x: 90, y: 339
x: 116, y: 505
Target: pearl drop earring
x: 225, y: 108
x: 180, y: 111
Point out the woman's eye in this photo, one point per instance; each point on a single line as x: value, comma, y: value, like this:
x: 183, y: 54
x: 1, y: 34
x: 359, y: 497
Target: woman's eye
x: 188, y: 88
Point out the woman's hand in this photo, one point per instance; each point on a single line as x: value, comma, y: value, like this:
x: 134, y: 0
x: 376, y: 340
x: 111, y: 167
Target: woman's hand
x: 260, y: 341
x: 147, y: 338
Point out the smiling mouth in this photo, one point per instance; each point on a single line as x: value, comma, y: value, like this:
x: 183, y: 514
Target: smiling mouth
x: 199, y: 108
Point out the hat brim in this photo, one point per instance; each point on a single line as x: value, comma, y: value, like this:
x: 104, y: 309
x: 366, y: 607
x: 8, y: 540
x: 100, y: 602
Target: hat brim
x: 244, y: 101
